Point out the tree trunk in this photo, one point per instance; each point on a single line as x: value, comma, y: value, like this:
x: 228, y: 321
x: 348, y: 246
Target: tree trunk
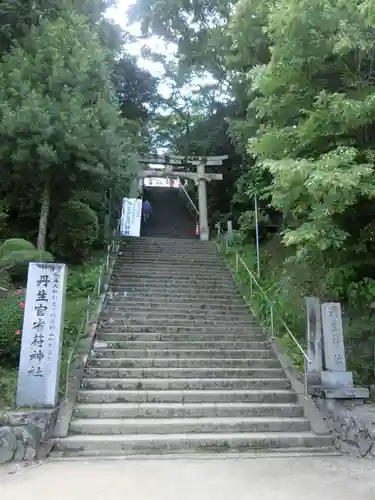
x: 43, y: 219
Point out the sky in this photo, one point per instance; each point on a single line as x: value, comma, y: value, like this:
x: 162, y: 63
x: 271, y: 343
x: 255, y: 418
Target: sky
x: 118, y: 14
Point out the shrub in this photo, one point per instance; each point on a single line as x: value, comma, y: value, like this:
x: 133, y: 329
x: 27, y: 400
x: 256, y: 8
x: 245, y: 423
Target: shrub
x: 74, y: 231
x: 10, y: 324
x: 15, y: 255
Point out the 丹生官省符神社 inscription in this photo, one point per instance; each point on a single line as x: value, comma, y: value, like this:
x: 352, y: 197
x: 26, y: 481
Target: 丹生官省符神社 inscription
x: 39, y: 367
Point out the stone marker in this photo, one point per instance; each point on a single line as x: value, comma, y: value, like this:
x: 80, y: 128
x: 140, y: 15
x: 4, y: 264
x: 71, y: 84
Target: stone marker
x: 314, y: 338
x: 335, y: 376
x: 334, y: 349
x: 39, y: 367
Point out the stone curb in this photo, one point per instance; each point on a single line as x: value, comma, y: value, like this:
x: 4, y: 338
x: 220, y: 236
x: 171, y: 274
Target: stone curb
x: 26, y: 435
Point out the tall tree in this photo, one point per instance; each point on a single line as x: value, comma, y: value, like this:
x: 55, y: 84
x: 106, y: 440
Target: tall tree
x: 60, y: 123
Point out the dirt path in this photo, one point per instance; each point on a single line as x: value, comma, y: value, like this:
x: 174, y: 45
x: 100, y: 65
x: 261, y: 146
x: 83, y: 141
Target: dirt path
x: 334, y: 478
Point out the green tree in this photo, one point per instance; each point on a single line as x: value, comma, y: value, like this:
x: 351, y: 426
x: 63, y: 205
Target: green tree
x: 60, y: 122
x: 316, y: 99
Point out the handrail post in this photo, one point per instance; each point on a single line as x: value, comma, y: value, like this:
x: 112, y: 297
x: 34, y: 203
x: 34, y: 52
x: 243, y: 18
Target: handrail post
x: 218, y: 229
x: 272, y: 320
x: 305, y: 377
x: 237, y: 263
x: 88, y: 310
x: 99, y: 282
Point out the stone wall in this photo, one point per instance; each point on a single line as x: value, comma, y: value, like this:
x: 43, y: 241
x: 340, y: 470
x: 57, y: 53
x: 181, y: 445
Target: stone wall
x: 352, y: 425
x: 26, y: 435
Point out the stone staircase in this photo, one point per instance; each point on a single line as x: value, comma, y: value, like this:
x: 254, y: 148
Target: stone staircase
x: 170, y: 217
x: 181, y: 366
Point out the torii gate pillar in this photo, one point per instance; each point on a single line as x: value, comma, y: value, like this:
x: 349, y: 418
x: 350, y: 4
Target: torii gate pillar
x: 202, y: 203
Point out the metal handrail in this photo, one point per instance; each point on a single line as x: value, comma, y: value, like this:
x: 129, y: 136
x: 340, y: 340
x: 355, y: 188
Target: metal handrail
x: 189, y: 198
x: 254, y: 281
x: 97, y: 291
x: 302, y: 351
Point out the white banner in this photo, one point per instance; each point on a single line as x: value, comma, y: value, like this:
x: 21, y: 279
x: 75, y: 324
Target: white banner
x: 131, y: 217
x: 162, y: 182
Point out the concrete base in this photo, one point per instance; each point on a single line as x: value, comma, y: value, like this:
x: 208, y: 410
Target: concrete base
x: 361, y: 393
x: 314, y: 379
x: 337, y: 380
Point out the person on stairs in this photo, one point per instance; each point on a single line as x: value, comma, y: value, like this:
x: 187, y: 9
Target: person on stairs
x: 146, y: 210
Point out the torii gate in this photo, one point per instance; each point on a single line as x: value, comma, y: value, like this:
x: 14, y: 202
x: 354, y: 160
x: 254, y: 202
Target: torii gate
x: 200, y: 175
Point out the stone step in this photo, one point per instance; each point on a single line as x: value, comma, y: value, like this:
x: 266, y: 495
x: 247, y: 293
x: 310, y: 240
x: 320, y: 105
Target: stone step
x: 147, y: 295
x: 199, y: 442
x: 156, y: 321
x: 214, y: 269
x: 167, y: 252
x: 179, y: 337
x: 183, y: 353
x: 125, y: 299
x: 168, y: 258
x: 171, y: 313
x: 196, y: 372
x: 164, y: 268
x: 187, y: 425
x: 183, y: 410
x: 132, y: 276
x: 184, y: 384
x: 170, y: 262
x: 180, y: 328
x: 168, y: 311
x: 162, y: 271
x: 163, y: 285
x: 291, y: 452
x: 182, y: 362
x: 188, y: 396
x: 200, y: 293
x: 154, y: 308
x: 186, y: 245
x: 168, y: 345
x: 159, y: 286
x: 191, y: 244
x: 167, y: 249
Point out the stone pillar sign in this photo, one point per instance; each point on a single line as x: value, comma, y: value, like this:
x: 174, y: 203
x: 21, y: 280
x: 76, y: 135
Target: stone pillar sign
x: 39, y: 367
x: 335, y: 375
x: 314, y: 338
x: 334, y: 348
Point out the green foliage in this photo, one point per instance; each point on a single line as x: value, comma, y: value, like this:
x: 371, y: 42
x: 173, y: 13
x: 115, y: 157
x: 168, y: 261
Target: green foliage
x: 16, y: 254
x: 61, y: 129
x: 74, y: 231
x: 15, y: 245
x: 11, y: 322
x: 8, y: 384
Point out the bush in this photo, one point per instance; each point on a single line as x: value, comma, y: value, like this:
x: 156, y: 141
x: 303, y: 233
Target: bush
x: 10, y: 324
x: 74, y: 232
x: 15, y: 255
x: 15, y: 245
